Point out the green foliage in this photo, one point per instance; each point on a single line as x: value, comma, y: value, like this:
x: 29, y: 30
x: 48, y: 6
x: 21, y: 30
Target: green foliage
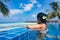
x: 55, y: 11
x: 54, y: 5
x: 3, y: 9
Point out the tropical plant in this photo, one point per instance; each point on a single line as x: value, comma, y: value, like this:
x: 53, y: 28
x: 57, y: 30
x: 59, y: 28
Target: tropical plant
x: 55, y: 11
x: 3, y: 8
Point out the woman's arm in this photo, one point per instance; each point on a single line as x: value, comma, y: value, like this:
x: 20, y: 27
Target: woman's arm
x: 37, y: 27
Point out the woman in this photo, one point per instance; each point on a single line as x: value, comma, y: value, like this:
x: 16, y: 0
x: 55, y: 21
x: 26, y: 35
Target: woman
x: 41, y: 26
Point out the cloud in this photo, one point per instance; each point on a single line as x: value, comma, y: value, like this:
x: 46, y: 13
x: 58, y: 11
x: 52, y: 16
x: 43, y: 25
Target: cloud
x: 8, y: 19
x: 33, y: 1
x: 39, y: 5
x: 30, y: 5
x: 15, y: 11
x: 34, y: 15
x: 26, y: 7
x: 21, y: 5
x: 57, y: 0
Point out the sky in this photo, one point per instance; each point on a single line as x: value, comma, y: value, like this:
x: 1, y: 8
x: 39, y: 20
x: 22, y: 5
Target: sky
x: 25, y: 10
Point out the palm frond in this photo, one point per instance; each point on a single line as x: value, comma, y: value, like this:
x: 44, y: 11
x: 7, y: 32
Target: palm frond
x: 54, y: 5
x: 51, y: 15
x: 3, y: 9
x: 55, y: 10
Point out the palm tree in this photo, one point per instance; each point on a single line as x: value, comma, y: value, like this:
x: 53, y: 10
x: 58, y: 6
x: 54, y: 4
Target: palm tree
x: 55, y: 10
x: 3, y: 8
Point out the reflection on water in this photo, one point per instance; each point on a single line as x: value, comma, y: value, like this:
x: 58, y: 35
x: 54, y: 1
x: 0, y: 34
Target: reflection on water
x: 13, y: 25
x: 8, y: 26
x: 53, y: 28
x: 16, y: 24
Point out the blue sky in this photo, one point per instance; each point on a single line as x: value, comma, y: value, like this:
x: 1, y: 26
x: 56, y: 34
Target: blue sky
x: 25, y: 10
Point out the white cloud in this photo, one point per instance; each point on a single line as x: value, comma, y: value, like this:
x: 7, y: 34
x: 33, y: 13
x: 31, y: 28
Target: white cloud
x: 28, y: 7
x: 21, y: 5
x: 15, y: 11
x: 34, y: 15
x: 57, y: 0
x: 25, y: 7
x: 38, y: 5
x: 8, y: 19
x: 33, y: 1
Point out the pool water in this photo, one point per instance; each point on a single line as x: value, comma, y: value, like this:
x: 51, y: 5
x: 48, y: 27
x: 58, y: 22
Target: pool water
x: 18, y: 32
x: 53, y: 32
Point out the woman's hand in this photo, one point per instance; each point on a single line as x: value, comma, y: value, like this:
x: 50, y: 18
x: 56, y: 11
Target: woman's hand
x: 27, y: 27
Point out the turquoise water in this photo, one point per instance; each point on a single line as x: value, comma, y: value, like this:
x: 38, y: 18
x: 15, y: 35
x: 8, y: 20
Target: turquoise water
x: 11, y: 30
x: 7, y: 26
x: 18, y: 34
x: 52, y: 27
x: 16, y: 31
x: 53, y: 32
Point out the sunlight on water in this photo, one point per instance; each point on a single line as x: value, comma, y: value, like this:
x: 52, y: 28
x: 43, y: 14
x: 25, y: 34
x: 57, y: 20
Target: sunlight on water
x: 15, y: 24
x: 8, y: 26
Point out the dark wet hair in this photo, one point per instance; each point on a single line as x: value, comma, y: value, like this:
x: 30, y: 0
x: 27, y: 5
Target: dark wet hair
x: 40, y: 17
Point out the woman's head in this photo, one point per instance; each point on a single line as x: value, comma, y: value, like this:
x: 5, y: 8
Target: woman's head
x: 41, y: 17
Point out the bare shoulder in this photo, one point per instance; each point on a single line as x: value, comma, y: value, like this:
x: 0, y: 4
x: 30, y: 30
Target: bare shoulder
x: 43, y: 24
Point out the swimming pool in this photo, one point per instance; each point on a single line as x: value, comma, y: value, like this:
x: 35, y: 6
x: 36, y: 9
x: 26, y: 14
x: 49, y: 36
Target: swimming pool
x: 52, y: 34
x: 17, y: 31
x: 53, y: 31
x: 8, y: 26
